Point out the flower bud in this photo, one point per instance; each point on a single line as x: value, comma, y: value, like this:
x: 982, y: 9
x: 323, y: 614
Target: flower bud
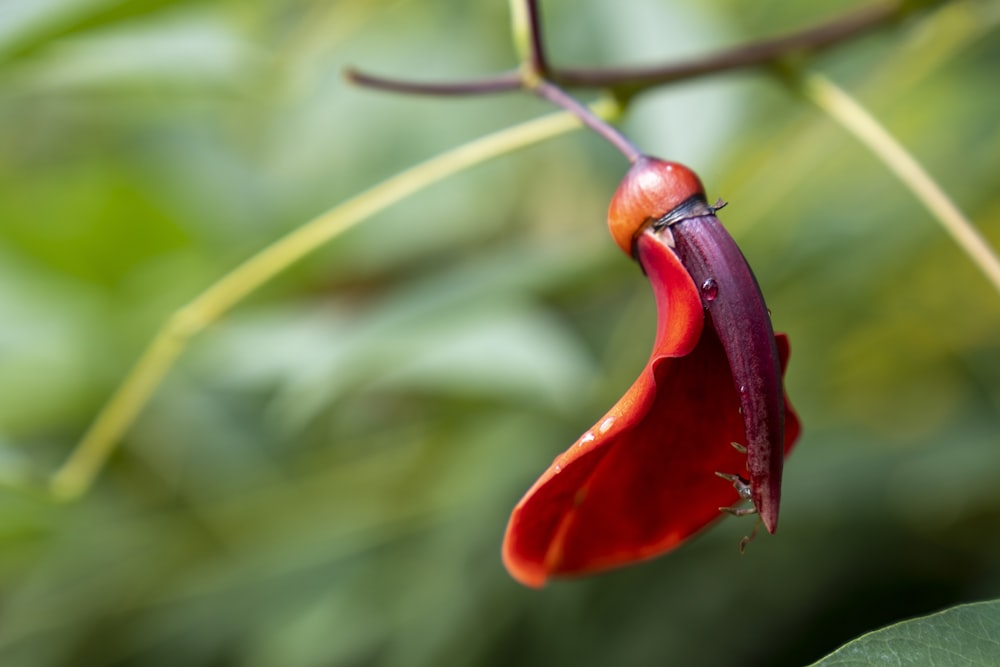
x: 651, y: 189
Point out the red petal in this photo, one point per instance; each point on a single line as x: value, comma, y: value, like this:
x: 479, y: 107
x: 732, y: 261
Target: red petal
x: 544, y: 530
x: 643, y: 478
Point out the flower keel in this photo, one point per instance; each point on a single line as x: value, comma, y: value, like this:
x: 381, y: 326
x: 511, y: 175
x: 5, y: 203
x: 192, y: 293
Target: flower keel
x: 735, y: 306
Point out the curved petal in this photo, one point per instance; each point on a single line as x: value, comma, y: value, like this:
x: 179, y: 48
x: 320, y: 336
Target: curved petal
x: 643, y: 478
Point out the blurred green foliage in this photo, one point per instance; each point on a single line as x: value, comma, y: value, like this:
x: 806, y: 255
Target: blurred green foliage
x: 325, y: 477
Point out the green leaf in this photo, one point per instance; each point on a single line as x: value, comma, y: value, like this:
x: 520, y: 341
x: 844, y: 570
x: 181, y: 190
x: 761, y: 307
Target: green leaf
x: 965, y: 635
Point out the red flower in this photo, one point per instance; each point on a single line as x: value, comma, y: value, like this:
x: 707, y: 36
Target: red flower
x: 647, y: 475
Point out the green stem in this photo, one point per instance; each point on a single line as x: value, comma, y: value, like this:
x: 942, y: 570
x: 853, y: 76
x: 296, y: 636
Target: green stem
x: 118, y: 414
x: 856, y: 120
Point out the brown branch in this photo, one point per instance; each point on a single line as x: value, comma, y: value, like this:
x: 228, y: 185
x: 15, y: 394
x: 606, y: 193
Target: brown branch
x: 537, y: 76
x: 498, y: 83
x: 628, y: 81
x: 536, y: 58
x: 631, y: 80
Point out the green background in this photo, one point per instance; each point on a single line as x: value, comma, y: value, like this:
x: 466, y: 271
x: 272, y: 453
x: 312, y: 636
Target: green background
x: 325, y: 477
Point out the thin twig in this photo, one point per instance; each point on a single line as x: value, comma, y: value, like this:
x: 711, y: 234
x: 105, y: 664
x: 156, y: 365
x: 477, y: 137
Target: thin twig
x: 631, y: 80
x: 557, y: 96
x: 628, y: 81
x: 526, y: 33
x: 855, y: 119
x: 499, y: 83
x: 536, y: 52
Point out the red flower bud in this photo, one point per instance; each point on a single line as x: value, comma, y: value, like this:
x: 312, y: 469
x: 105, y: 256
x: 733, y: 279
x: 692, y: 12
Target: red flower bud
x: 647, y: 475
x: 651, y: 189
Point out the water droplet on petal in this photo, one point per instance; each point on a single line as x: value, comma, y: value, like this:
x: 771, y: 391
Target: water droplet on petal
x: 585, y: 438
x: 709, y: 289
x: 606, y: 424
x: 557, y: 468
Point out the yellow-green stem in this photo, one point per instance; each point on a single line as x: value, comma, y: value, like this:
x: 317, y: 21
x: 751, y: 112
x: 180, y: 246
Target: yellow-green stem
x: 856, y: 120
x: 117, y: 415
x: 520, y: 30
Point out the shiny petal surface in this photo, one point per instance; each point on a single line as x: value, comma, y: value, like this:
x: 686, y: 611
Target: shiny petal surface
x: 643, y: 478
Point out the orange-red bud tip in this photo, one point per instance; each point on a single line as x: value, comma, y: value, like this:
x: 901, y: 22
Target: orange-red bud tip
x: 651, y: 189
